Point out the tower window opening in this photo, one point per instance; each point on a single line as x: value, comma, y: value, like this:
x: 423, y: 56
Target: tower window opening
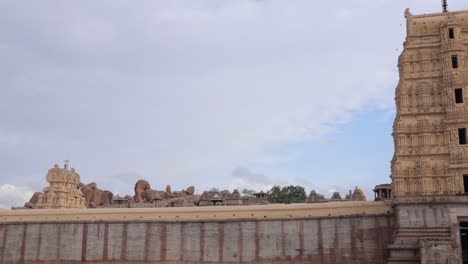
x: 459, y: 95
x: 451, y: 33
x: 454, y: 61
x: 464, y: 240
x: 462, y: 136
x: 465, y: 183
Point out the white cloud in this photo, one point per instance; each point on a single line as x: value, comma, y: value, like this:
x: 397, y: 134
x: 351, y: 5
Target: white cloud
x: 11, y: 195
x: 243, y: 178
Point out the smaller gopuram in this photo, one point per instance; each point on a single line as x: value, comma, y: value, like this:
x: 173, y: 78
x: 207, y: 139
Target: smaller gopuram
x: 63, y: 191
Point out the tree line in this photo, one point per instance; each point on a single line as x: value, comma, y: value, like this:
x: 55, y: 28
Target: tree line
x: 285, y: 195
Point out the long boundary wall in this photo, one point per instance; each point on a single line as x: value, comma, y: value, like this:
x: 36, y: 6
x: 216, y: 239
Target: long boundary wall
x: 327, y: 233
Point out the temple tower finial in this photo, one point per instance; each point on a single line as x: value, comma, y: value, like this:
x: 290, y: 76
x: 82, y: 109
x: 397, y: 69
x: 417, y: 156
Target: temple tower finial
x: 444, y: 6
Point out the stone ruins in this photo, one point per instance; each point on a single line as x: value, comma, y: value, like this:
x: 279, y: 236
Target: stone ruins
x: 67, y: 191
x: 63, y: 191
x: 356, y: 195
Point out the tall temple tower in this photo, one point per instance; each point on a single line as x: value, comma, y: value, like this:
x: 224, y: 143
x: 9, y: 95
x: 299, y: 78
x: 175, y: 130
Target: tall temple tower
x: 430, y: 164
x: 432, y: 116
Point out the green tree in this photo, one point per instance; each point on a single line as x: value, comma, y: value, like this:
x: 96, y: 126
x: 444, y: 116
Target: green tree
x: 294, y: 194
x: 275, y: 195
x: 288, y: 194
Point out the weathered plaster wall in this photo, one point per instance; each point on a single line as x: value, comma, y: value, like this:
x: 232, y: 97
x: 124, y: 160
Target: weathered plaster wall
x: 350, y: 239
x: 424, y: 215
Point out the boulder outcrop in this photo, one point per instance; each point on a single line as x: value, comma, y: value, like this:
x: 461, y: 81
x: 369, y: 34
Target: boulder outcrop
x: 95, y: 197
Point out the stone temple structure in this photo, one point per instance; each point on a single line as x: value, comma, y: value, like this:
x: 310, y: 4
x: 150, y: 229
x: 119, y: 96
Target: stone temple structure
x: 430, y: 126
x: 430, y: 163
x: 63, y: 192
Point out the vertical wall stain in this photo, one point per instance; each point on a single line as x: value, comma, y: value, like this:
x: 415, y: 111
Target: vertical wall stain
x: 2, y: 250
x: 301, y: 239
x: 163, y: 241
x: 202, y: 241
x: 320, y: 240
x: 336, y: 247
x: 182, y: 238
x: 283, y: 241
x: 39, y: 242
x: 59, y: 241
x: 257, y: 240
x: 147, y: 240
x: 105, y: 248
x: 354, y: 236
x: 361, y: 242
x: 377, y: 236
x: 23, y: 244
x: 388, y: 235
x: 221, y: 242
x: 123, y: 253
x: 84, y: 241
x: 241, y: 239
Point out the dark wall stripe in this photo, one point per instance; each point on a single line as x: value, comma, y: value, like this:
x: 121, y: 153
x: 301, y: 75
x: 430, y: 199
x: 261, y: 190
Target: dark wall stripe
x: 257, y: 240
x: 202, y: 242
x: 23, y: 244
x: 105, y: 247
x: 182, y: 236
x: 241, y: 242
x: 84, y: 242
x: 147, y: 240
x: 39, y: 242
x: 320, y: 240
x: 59, y: 241
x: 301, y: 238
x: 5, y: 233
x: 283, y: 241
x: 163, y: 241
x: 220, y: 242
x: 123, y: 253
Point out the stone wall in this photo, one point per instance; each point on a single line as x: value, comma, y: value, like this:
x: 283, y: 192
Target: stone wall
x: 358, y: 239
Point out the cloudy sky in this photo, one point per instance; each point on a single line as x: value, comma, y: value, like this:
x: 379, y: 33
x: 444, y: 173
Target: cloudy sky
x: 226, y: 94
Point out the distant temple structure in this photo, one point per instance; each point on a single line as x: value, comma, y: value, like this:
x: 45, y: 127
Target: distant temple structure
x: 356, y: 195
x: 382, y: 192
x: 63, y: 192
x: 213, y: 198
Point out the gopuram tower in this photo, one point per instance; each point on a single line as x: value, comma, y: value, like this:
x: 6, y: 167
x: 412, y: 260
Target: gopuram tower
x: 430, y: 164
x: 63, y: 191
